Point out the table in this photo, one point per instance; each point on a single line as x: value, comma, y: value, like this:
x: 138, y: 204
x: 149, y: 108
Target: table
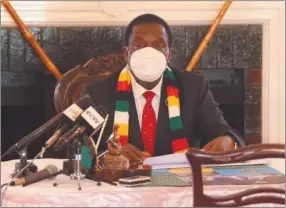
x: 43, y: 194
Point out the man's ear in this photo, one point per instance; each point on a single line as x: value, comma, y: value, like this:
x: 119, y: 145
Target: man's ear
x: 126, y: 54
x: 171, y: 55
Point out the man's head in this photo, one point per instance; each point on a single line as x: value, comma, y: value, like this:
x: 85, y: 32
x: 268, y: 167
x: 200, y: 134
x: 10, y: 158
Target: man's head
x: 147, y: 48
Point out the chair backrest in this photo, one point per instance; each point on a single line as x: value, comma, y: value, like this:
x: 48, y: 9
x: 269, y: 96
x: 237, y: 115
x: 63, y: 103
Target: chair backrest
x: 70, y: 86
x: 197, y: 158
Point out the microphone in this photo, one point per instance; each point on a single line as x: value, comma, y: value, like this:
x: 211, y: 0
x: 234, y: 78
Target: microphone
x: 56, y: 135
x: 36, y: 133
x: 69, y: 115
x: 48, y: 172
x: 69, y: 137
x: 73, y: 112
x: 89, y: 120
x: 93, y: 118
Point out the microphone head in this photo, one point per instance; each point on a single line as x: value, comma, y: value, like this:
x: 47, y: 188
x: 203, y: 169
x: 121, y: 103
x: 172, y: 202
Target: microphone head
x: 103, y: 111
x: 53, y: 170
x: 74, y: 110
x: 69, y: 137
x: 84, y: 102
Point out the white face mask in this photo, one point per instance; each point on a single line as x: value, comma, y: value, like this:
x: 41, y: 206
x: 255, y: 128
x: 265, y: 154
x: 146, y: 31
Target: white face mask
x: 148, y: 64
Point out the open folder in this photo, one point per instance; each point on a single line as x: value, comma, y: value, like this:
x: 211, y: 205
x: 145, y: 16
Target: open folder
x: 179, y: 160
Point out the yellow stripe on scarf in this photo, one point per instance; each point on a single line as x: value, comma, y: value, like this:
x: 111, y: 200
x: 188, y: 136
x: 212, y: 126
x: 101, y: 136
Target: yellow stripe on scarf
x: 123, y: 129
x: 173, y: 101
x: 124, y: 76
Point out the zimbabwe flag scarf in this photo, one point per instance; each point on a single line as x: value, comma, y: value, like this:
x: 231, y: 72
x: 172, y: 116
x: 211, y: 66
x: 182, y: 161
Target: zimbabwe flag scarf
x: 121, y: 117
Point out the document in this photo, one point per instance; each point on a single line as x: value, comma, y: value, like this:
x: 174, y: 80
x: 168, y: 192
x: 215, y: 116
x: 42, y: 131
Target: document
x: 233, y: 175
x: 176, y: 160
x: 175, y: 170
x: 179, y: 160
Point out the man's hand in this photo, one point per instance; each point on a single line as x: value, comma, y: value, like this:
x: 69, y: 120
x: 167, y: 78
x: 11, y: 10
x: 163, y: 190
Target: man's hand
x: 135, y: 156
x: 145, y: 155
x: 220, y: 144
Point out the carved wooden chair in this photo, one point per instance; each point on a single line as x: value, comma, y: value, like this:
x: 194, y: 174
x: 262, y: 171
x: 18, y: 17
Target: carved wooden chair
x: 197, y: 158
x: 68, y: 89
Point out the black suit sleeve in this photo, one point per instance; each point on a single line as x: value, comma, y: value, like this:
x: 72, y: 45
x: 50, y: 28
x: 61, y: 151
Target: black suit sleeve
x: 209, y: 118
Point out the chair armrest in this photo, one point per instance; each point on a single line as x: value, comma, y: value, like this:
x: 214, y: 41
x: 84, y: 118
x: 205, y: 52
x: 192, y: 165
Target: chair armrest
x: 251, y: 152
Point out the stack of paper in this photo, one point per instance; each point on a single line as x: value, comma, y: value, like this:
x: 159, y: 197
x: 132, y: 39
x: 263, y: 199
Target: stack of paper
x: 179, y: 160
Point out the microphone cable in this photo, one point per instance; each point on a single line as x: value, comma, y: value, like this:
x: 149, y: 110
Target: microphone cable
x: 16, y: 175
x: 5, y: 184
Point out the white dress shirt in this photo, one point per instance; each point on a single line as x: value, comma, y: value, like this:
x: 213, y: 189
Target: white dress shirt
x: 140, y: 100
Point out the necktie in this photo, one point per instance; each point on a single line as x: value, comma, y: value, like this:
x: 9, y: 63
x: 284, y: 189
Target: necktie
x: 148, y: 129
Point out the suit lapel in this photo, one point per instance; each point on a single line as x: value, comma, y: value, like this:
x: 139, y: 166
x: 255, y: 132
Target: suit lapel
x: 134, y: 127
x: 163, y: 143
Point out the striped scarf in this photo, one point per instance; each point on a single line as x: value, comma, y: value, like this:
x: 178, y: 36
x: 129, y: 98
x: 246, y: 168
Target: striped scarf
x: 121, y: 117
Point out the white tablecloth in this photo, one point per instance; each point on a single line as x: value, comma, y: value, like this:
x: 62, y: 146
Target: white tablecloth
x: 43, y: 194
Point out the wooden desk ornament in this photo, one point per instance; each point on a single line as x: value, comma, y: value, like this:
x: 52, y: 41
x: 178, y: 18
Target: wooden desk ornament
x: 114, y: 159
x: 116, y: 162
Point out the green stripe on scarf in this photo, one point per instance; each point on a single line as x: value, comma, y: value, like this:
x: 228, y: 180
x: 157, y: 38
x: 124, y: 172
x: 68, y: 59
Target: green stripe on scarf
x: 176, y: 123
x: 170, y: 74
x: 122, y: 105
x: 179, y: 140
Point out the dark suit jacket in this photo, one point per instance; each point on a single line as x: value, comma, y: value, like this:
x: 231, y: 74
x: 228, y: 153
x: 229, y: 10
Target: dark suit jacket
x: 202, y: 118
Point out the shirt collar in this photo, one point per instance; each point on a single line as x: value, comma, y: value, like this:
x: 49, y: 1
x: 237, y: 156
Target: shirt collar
x: 138, y: 90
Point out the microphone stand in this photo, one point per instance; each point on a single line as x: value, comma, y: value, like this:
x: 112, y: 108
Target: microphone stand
x: 21, y: 171
x: 72, y: 166
x: 73, y: 169
x: 77, y: 175
x: 32, y: 168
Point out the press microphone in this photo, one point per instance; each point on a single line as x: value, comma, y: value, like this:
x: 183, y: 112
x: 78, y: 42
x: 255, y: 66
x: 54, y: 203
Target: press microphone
x: 69, y: 137
x: 33, y: 135
x: 69, y: 115
x: 56, y: 135
x: 73, y: 112
x: 48, y: 172
x: 90, y: 120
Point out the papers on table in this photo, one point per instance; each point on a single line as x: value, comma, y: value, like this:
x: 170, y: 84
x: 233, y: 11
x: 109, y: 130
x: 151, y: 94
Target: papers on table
x: 179, y: 160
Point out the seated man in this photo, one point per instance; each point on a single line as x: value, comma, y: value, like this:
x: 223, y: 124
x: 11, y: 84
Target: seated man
x: 160, y: 110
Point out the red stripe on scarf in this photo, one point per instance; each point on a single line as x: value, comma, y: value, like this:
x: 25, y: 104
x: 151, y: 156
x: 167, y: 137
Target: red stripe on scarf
x: 172, y: 91
x: 123, y: 140
x: 180, y: 144
x: 124, y: 86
